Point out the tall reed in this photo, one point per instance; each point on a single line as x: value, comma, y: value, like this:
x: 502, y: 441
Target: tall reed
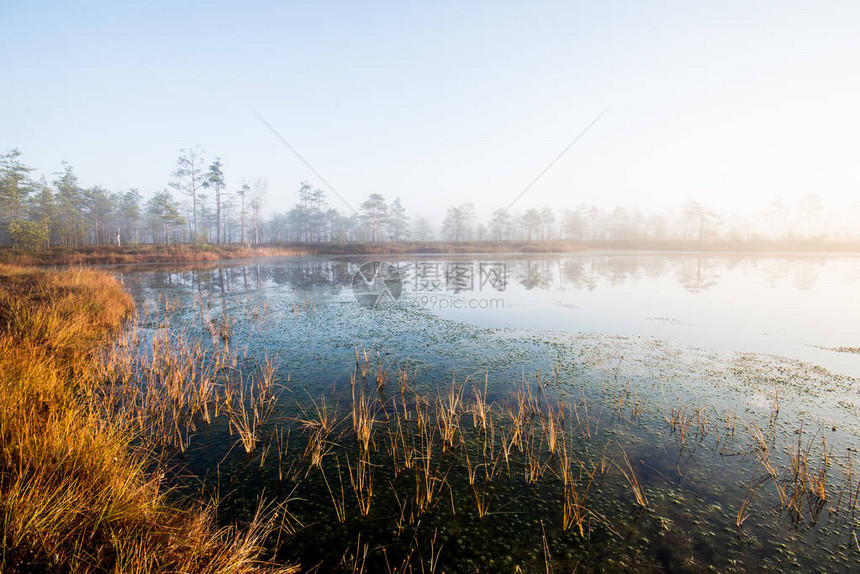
x: 75, y: 494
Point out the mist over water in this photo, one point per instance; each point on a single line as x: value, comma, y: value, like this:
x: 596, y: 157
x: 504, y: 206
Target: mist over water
x: 677, y: 358
x: 799, y: 306
x: 530, y: 287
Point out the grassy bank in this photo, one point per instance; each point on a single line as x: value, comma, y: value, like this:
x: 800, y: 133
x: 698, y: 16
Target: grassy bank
x: 107, y: 255
x: 447, y: 247
x: 93, y: 255
x: 74, y: 494
x: 570, y: 246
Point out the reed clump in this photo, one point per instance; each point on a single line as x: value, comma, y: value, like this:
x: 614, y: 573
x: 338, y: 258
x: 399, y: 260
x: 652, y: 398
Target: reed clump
x: 417, y: 448
x: 75, y: 495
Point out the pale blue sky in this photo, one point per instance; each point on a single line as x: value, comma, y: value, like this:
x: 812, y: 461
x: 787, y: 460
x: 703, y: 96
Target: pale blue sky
x: 728, y: 103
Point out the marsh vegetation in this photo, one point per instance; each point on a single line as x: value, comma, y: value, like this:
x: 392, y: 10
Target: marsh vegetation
x: 293, y: 426
x: 80, y: 489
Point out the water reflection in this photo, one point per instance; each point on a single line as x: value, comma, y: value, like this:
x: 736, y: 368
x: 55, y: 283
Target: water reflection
x: 712, y: 301
x: 693, y: 273
x: 697, y: 275
x: 790, y: 305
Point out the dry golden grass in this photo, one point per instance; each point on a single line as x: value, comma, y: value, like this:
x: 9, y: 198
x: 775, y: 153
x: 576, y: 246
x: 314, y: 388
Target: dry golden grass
x: 630, y: 476
x: 74, y: 495
x: 92, y: 255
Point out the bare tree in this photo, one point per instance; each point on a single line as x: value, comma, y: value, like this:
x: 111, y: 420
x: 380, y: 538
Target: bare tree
x: 399, y: 221
x: 215, y: 179
x: 459, y: 221
x: 261, y: 187
x: 809, y: 211
x: 500, y: 224
x: 243, y: 193
x: 421, y: 229
x: 375, y: 214
x: 698, y: 216
x: 531, y: 222
x: 188, y: 178
x: 573, y: 224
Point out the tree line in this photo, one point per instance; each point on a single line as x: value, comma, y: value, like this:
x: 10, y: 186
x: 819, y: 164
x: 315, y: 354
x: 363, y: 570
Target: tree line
x: 36, y: 213
x: 197, y: 206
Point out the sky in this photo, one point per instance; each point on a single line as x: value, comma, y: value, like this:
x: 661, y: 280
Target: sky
x: 439, y: 103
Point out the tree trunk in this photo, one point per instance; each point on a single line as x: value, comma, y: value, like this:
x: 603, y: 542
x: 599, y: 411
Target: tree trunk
x: 218, y: 214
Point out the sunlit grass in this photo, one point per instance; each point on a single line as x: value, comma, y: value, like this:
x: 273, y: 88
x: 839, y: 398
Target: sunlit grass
x: 397, y: 459
x: 92, y: 255
x: 76, y: 496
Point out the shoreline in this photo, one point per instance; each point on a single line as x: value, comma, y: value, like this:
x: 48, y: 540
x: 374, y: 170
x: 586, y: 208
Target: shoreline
x: 187, y: 253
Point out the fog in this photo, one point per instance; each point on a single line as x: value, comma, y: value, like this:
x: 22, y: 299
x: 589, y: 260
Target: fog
x: 748, y: 111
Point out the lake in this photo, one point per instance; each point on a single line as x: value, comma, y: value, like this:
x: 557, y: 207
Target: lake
x: 603, y: 411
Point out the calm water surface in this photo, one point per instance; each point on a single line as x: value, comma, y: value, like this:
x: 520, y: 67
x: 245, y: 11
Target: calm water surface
x: 799, y: 307
x: 629, y: 336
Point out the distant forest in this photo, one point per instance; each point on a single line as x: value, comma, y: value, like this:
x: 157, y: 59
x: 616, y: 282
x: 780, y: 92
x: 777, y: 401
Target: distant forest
x: 198, y: 207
